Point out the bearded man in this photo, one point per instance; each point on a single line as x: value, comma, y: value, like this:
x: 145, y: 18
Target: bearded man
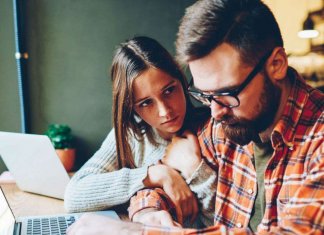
x: 265, y: 137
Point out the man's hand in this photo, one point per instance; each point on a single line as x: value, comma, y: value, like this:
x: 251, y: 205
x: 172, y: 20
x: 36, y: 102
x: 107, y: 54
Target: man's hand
x: 183, y: 154
x: 153, y: 216
x: 94, y: 224
x: 175, y: 187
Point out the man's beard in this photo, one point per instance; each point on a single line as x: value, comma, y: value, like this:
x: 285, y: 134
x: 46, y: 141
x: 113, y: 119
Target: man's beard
x: 242, y: 131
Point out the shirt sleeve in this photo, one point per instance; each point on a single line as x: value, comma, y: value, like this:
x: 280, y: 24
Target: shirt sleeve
x: 99, y: 184
x: 151, y: 198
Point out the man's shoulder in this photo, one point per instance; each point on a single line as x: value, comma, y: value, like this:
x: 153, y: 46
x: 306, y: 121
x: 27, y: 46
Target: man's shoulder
x: 316, y: 101
x: 304, y: 110
x: 313, y: 110
x: 313, y: 98
x: 309, y: 127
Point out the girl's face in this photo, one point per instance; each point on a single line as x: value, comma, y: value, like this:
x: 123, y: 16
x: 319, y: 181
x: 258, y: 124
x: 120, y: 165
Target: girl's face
x: 160, y: 101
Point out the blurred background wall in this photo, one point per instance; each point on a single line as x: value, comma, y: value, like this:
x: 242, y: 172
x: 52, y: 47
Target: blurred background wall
x: 70, y: 45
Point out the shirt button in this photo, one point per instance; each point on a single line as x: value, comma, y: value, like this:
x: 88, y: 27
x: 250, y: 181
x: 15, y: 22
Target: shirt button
x: 239, y: 225
x: 250, y: 191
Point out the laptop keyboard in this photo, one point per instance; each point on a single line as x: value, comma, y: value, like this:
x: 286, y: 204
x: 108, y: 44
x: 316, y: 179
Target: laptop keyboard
x: 51, y: 225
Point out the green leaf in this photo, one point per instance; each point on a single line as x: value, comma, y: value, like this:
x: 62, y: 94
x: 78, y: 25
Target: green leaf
x: 60, y: 136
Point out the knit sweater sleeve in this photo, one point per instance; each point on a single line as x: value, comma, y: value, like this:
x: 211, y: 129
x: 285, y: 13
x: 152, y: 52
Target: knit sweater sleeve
x: 99, y: 184
x: 203, y: 183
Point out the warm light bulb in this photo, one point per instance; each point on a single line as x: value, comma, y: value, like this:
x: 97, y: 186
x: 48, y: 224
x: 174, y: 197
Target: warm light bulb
x: 309, y: 33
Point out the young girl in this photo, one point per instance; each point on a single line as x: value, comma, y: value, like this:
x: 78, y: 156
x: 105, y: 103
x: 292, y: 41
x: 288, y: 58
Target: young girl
x: 149, y: 108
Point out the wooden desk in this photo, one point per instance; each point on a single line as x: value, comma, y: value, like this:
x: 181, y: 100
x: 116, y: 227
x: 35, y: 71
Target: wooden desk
x: 29, y: 204
x: 26, y: 204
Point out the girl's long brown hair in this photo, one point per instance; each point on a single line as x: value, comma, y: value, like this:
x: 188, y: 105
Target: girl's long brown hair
x: 131, y: 59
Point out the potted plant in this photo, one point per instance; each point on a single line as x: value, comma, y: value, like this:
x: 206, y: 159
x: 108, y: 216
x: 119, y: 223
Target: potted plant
x: 62, y: 140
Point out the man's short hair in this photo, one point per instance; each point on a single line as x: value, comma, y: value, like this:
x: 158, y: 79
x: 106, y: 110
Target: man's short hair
x: 247, y: 25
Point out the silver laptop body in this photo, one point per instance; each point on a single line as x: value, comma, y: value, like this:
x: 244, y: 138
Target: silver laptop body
x: 33, y: 162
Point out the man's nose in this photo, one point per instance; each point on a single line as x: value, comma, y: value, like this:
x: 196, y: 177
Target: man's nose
x: 218, y: 111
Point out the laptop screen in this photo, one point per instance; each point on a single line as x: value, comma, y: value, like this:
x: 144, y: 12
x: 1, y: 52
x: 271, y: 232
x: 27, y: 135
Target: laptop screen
x: 7, y: 220
x: 45, y: 173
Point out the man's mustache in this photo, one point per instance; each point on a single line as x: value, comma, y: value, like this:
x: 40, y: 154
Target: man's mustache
x: 229, y: 120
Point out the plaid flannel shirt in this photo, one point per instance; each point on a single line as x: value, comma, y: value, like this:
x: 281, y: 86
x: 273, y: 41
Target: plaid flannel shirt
x: 294, y: 177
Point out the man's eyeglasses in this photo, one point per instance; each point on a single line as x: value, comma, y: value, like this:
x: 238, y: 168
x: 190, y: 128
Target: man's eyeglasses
x: 229, y: 98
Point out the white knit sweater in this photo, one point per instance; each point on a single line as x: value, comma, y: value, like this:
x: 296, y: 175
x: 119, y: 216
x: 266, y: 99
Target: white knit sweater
x: 99, y: 184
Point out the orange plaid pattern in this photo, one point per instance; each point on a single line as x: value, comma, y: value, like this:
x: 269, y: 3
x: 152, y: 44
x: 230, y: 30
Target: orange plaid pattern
x: 294, y: 177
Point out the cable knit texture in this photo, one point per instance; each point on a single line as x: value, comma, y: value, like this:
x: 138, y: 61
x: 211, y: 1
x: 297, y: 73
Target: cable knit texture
x: 99, y: 184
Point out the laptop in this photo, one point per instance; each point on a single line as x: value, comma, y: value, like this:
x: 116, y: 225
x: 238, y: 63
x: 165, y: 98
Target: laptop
x: 33, y: 162
x: 41, y: 225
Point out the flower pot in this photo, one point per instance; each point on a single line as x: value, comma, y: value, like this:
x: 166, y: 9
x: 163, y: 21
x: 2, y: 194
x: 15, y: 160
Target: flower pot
x: 67, y: 157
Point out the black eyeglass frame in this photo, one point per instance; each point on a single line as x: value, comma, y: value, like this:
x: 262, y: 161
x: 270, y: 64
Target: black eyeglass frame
x: 233, y: 93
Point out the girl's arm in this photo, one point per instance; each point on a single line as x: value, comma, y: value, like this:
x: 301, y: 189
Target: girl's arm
x: 99, y: 184
x: 184, y: 155
x: 175, y: 187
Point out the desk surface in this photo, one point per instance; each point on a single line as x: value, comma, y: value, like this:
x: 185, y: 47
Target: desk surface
x: 29, y: 204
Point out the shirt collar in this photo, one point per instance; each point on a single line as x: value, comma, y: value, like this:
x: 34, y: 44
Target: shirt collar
x: 285, y: 129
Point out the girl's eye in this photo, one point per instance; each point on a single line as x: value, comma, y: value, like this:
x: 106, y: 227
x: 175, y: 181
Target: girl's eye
x: 169, y: 90
x: 145, y: 103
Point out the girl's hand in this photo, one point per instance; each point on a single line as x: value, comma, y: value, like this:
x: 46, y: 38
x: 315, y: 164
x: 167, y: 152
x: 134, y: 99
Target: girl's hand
x: 183, y: 154
x: 175, y: 187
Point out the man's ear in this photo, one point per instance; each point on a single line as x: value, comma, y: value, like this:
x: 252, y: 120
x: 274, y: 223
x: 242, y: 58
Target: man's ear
x: 277, y: 64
